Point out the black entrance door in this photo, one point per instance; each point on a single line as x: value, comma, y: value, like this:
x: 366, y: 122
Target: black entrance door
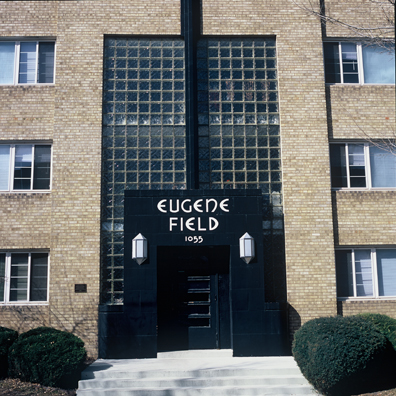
x: 193, y: 298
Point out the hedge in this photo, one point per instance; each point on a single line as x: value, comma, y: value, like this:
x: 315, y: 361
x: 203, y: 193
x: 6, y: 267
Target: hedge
x: 46, y: 356
x: 384, y: 324
x: 7, y: 338
x: 341, y: 356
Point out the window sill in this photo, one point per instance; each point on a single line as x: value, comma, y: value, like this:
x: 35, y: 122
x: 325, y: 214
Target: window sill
x: 24, y: 303
x: 364, y: 189
x: 361, y: 85
x: 29, y: 85
x: 26, y: 192
x: 377, y: 299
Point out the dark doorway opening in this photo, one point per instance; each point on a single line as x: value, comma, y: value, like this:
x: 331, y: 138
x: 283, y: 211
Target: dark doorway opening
x: 193, y: 297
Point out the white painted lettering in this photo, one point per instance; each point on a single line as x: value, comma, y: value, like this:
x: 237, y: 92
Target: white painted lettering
x: 189, y: 207
x: 198, y: 205
x: 190, y: 223
x: 224, y: 204
x: 199, y: 225
x: 171, y: 209
x: 213, y: 223
x: 172, y: 222
x: 161, y: 206
x: 214, y: 205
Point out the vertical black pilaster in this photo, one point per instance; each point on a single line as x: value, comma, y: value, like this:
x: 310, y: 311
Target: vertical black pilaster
x: 190, y: 30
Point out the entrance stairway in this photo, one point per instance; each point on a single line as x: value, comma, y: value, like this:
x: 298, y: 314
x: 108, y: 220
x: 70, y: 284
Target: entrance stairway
x: 191, y: 373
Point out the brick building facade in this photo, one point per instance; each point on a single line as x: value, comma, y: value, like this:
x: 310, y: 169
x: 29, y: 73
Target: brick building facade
x: 253, y: 71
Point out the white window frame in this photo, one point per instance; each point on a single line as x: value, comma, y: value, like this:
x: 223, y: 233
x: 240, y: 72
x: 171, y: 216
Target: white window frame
x: 374, y: 274
x: 12, y: 168
x: 17, y: 49
x: 359, y: 53
x: 367, y: 168
x: 7, y: 279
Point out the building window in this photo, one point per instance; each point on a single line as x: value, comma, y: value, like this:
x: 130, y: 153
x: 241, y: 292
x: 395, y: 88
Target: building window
x: 27, y: 62
x: 366, y: 272
x: 144, y: 136
x: 356, y: 63
x: 361, y: 165
x: 25, y: 167
x: 23, y: 277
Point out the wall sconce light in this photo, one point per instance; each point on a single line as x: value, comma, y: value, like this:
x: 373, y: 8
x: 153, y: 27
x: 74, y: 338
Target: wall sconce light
x: 246, y: 248
x: 139, y: 248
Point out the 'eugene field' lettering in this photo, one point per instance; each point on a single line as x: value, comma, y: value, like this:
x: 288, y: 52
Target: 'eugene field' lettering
x: 209, y: 205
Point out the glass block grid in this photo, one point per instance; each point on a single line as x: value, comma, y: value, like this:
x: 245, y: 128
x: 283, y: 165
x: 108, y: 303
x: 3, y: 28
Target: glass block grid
x: 239, y: 140
x: 144, y: 143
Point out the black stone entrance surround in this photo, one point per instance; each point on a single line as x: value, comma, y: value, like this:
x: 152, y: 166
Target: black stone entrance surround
x: 184, y: 225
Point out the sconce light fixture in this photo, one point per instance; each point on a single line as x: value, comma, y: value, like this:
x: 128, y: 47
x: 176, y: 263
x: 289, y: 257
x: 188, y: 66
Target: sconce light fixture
x: 246, y: 248
x: 139, y: 248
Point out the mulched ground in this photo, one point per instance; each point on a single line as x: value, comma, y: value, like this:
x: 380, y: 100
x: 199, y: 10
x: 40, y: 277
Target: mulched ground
x: 15, y: 387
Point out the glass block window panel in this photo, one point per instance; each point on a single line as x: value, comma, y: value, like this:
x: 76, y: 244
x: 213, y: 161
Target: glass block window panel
x: 239, y: 139
x: 144, y: 138
x: 239, y: 134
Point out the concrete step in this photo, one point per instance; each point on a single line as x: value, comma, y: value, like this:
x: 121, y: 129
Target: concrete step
x: 190, y: 373
x: 202, y: 382
x: 208, y: 391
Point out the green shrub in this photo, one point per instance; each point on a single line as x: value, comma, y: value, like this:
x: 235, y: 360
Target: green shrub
x: 46, y: 356
x: 344, y: 355
x: 7, y: 338
x: 384, y: 324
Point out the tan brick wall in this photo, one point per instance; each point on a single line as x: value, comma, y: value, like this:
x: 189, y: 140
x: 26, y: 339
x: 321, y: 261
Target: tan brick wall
x: 361, y: 112
x: 360, y: 13
x: 385, y: 307
x: 305, y: 153
x: 67, y: 221
x: 364, y: 218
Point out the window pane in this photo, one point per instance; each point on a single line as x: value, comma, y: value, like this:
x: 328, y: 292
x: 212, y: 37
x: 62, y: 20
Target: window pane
x: 18, y: 279
x: 7, y: 56
x: 45, y: 72
x: 27, y: 63
x: 332, y: 63
x: 383, y: 168
x: 349, y: 63
x: 386, y: 264
x: 2, y: 275
x: 23, y: 167
x: 357, y: 171
x: 4, y: 167
x: 338, y: 165
x: 344, y: 273
x: 364, y: 276
x: 42, y: 167
x: 38, y: 277
x: 378, y: 65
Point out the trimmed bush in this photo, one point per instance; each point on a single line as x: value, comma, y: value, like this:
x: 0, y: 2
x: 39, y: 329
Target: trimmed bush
x: 7, y: 338
x: 341, y: 356
x: 384, y: 324
x: 46, y: 356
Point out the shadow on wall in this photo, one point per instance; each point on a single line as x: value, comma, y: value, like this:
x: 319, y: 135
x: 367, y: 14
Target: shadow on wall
x: 294, y: 322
